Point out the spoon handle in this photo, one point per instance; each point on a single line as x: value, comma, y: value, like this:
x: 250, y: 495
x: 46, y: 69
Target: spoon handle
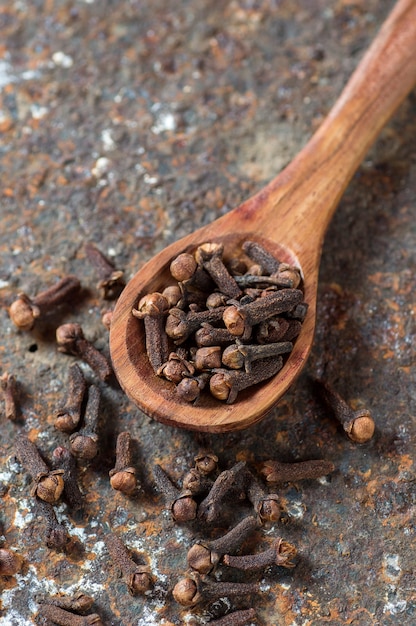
x: 307, y: 191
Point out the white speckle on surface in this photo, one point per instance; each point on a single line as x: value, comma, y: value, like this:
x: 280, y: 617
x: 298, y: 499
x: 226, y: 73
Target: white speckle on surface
x: 38, y: 112
x: 395, y: 607
x: 62, y: 60
x: 20, y: 520
x: 6, y: 74
x: 101, y: 167
x: 391, y: 566
x: 164, y: 119
x: 150, y: 180
x: 106, y: 138
x: 295, y: 509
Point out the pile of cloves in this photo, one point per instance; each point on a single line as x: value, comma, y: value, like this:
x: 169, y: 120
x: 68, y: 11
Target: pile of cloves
x: 207, y: 498
x: 224, y: 325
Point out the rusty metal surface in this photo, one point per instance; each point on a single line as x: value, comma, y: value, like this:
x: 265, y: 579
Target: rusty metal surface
x: 129, y: 124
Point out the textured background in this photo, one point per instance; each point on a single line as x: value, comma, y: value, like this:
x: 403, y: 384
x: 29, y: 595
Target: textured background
x: 128, y: 124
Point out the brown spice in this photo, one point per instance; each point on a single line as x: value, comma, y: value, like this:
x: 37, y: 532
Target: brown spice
x: 111, y: 280
x: 277, y: 472
x: 204, y: 556
x: 359, y: 425
x: 226, y: 384
x: 197, y: 589
x: 10, y: 562
x: 9, y: 389
x: 137, y: 577
x: 281, y: 553
x: 181, y: 503
x: 48, y: 484
x: 123, y: 475
x: 84, y: 442
x: 68, y: 416
x: 152, y: 309
x: 25, y: 311
x: 71, y: 340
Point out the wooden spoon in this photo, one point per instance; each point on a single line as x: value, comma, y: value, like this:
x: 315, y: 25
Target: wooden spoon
x: 289, y: 217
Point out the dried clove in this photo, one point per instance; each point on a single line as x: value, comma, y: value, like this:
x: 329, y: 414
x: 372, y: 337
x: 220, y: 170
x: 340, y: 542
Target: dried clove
x: 265, y: 504
x: 71, y: 340
x: 239, y: 319
x: 359, y: 425
x: 181, y: 503
x: 10, y: 562
x: 236, y: 618
x: 239, y: 355
x: 123, y: 475
x: 209, y: 256
x: 84, y: 442
x: 230, y: 484
x: 206, y: 462
x: 25, y: 311
x: 196, y: 483
x: 61, y: 617
x: 68, y: 416
x: 152, y: 309
x: 57, y: 537
x: 137, y: 577
x: 196, y: 589
x: 226, y: 384
x: 111, y: 280
x: 281, y: 553
x: 47, y: 484
x: 64, y: 460
x: 184, y: 268
x: 180, y: 325
x: 207, y: 358
x: 204, y: 556
x: 77, y: 603
x: 278, y: 472
x: 208, y: 335
x: 189, y: 389
x: 9, y: 388
x: 257, y: 253
x: 176, y: 367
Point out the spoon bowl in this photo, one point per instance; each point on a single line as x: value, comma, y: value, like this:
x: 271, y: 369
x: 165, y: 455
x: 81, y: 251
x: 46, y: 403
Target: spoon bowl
x: 289, y: 217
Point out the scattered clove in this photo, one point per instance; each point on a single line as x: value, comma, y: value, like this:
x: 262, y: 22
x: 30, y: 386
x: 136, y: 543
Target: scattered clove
x: 111, y: 280
x: 137, y: 577
x: 204, y: 556
x: 9, y: 388
x: 123, y: 475
x: 61, y: 617
x: 84, y: 442
x: 71, y: 340
x: 10, y: 562
x: 281, y: 553
x: 57, y: 537
x: 230, y: 484
x: 359, y: 425
x: 181, y: 503
x: 77, y: 603
x: 25, y: 311
x: 265, y: 504
x: 278, y: 472
x: 47, y: 484
x: 236, y: 618
x: 68, y: 416
x: 196, y: 589
x: 64, y: 460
